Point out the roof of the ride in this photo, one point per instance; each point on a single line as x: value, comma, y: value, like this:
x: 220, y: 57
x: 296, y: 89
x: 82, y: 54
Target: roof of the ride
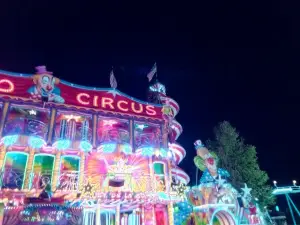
x: 92, y: 97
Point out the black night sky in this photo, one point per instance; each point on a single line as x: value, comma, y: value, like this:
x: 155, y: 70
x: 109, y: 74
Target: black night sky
x: 220, y: 60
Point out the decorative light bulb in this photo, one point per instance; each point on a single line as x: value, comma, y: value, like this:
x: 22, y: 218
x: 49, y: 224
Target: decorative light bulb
x: 170, y: 155
x: 294, y: 182
x: 157, y: 152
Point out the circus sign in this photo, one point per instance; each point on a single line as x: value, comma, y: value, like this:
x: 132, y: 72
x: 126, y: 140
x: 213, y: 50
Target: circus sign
x: 44, y: 87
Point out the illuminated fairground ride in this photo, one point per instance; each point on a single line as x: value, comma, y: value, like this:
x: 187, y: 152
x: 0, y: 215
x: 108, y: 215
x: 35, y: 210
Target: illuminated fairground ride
x: 79, y: 155
x: 214, y: 201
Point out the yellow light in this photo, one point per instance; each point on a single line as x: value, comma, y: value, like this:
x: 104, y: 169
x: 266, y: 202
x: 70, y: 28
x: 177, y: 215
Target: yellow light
x: 72, y: 117
x: 11, y: 86
x: 157, y: 153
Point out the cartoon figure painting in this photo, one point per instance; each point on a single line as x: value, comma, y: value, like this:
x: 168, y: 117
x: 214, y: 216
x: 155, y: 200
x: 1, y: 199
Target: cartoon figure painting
x: 45, y: 86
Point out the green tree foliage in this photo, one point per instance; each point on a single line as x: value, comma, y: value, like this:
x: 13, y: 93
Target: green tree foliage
x: 240, y: 160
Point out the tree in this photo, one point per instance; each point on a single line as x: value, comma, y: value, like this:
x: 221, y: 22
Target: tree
x: 240, y: 160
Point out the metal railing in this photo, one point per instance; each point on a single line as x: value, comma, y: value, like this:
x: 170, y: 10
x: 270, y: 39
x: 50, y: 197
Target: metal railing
x: 12, y: 179
x: 68, y: 181
x: 146, y: 139
x: 77, y: 135
x: 25, y: 126
x: 116, y: 135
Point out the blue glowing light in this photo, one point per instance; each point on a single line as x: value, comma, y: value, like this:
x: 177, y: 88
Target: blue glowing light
x: 10, y: 140
x: 109, y: 148
x: 163, y: 196
x: 147, y: 151
x: 163, y: 153
x: 63, y: 144
x: 127, y: 149
x: 36, y: 142
x: 86, y: 146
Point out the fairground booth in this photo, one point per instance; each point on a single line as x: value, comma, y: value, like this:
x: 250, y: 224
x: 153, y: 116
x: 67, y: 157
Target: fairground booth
x: 83, y: 155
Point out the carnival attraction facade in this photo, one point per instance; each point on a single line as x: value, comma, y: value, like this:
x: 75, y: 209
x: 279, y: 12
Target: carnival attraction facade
x: 215, y: 201
x: 79, y: 155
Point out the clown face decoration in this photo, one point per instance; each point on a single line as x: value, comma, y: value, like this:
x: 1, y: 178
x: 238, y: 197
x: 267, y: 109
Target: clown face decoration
x: 211, y: 164
x: 45, y: 86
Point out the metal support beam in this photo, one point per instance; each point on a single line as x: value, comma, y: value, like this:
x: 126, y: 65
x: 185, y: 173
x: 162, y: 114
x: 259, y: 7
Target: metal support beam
x: 291, y: 210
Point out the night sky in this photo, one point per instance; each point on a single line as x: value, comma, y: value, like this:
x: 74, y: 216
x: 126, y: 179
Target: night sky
x: 230, y: 60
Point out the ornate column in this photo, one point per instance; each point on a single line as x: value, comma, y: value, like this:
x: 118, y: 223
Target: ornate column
x: 118, y: 214
x: 26, y: 184
x: 94, y: 131
x: 169, y: 175
x: 152, y: 178
x: 4, y: 113
x: 142, y: 214
x: 2, y: 156
x: 153, y: 215
x: 98, y: 215
x: 170, y: 213
x: 1, y: 212
x: 125, y: 219
x: 56, y: 171
x: 81, y: 169
x: 3, y: 148
x: 51, y: 126
x: 131, y: 134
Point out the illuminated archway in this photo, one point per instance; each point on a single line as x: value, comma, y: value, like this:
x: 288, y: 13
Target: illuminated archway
x: 69, y: 172
x: 42, y: 170
x: 15, y: 164
x: 224, y: 217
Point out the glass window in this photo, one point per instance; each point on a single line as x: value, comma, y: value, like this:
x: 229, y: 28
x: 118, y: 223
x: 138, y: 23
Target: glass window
x: 146, y: 135
x: 14, y: 170
x: 69, y: 173
x: 113, y: 130
x: 159, y: 168
x: 23, y: 120
x: 42, y: 170
x: 73, y: 126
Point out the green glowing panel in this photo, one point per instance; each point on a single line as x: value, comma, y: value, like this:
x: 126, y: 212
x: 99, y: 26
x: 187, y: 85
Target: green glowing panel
x: 43, y: 164
x: 14, y: 169
x: 15, y: 161
x: 216, y: 221
x: 158, y: 168
x: 69, y: 163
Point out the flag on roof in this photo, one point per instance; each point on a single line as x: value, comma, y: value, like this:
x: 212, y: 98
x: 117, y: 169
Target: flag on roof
x: 152, y: 72
x: 112, y: 79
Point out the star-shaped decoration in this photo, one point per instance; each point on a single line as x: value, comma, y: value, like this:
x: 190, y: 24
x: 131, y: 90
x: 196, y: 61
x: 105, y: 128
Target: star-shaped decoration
x: 246, y: 190
x: 220, y: 181
x: 141, y: 126
x: 180, y: 189
x: 113, y: 92
x: 32, y: 112
x: 88, y: 188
